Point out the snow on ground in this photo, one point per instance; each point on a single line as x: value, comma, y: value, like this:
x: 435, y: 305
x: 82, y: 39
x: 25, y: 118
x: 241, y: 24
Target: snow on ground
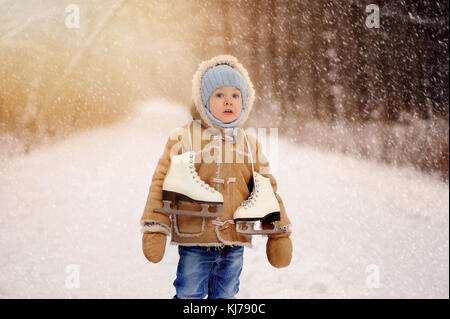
x: 361, y: 229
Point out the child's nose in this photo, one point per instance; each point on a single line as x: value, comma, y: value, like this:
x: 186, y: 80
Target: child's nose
x: 228, y: 101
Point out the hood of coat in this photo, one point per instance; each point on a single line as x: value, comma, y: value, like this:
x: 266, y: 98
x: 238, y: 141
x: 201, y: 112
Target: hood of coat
x: 197, y: 104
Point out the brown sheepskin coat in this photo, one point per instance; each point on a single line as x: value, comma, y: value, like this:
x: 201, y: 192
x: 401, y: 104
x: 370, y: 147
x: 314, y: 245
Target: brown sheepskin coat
x: 223, y: 165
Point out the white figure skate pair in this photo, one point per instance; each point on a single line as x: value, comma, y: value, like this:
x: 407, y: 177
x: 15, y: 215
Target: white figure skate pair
x: 182, y: 184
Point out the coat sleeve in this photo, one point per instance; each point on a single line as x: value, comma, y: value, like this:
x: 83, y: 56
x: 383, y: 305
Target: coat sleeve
x: 152, y: 221
x: 262, y: 166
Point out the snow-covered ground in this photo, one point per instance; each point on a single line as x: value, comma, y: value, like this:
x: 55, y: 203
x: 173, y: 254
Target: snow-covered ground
x: 361, y: 229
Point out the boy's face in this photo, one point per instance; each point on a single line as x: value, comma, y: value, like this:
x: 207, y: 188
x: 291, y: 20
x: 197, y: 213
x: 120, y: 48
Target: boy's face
x: 225, y: 103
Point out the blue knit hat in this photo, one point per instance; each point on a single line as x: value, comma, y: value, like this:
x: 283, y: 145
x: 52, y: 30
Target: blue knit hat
x: 215, y: 77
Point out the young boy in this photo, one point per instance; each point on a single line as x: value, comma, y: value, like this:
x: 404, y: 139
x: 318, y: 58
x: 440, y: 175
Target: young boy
x: 210, y: 248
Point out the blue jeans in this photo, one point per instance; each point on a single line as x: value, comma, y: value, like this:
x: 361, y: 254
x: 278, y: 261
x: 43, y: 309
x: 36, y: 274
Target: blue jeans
x: 211, y: 271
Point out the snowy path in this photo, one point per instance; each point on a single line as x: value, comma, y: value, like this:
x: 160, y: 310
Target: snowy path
x: 79, y: 202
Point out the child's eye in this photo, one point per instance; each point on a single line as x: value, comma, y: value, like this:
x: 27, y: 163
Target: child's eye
x: 219, y: 95
x: 236, y: 96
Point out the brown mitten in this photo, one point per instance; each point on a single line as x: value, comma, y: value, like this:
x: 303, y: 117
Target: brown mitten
x: 153, y: 246
x: 279, y: 251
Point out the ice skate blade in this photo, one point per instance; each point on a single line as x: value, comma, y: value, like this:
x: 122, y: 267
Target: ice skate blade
x: 250, y: 229
x: 269, y: 218
x: 203, y: 213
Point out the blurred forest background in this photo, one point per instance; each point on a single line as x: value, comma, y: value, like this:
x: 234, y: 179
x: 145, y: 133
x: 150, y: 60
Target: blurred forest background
x: 322, y: 76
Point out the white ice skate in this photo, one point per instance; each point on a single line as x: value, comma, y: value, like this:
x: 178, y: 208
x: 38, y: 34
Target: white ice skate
x: 182, y: 184
x: 261, y: 206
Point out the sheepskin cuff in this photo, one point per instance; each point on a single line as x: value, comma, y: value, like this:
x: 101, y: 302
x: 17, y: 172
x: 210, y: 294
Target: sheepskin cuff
x: 150, y: 226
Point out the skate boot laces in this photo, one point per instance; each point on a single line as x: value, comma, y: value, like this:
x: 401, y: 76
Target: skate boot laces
x: 248, y: 203
x: 195, y: 176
